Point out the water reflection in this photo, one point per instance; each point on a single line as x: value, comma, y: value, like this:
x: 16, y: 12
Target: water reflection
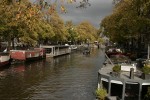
x: 70, y: 77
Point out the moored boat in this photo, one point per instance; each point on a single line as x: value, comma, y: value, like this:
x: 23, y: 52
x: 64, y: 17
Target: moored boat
x: 56, y: 50
x: 27, y: 55
x: 73, y: 47
x: 127, y: 81
x: 4, y: 59
x: 86, y: 51
x: 114, y: 51
x: 42, y: 52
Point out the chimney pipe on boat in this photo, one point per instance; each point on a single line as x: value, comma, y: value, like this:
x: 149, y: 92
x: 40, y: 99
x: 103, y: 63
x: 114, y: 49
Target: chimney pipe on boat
x: 131, y: 73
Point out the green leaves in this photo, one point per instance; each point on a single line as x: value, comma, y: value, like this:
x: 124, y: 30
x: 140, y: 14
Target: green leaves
x: 146, y: 69
x: 117, y: 68
x: 101, y: 93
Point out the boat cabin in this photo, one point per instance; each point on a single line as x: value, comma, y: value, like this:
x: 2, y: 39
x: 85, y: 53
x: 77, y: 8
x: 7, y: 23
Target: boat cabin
x: 56, y: 50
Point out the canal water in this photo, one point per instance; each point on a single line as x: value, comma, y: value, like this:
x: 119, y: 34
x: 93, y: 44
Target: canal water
x: 69, y: 77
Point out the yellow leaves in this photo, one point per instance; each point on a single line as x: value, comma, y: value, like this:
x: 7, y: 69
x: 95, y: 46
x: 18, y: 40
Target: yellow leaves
x: 62, y: 1
x: 52, y: 9
x: 28, y: 40
x: 63, y: 9
x: 71, y: 1
x: 86, y: 31
x: 17, y: 16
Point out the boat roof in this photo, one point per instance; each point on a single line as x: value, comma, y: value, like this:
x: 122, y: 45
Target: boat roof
x: 51, y: 46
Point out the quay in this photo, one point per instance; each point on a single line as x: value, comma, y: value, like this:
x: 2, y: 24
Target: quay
x: 128, y: 86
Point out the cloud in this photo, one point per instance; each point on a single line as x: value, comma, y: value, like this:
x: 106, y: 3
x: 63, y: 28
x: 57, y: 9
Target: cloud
x: 94, y: 13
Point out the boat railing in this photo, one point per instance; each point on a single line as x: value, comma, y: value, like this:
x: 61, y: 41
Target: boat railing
x: 61, y: 51
x: 109, y: 59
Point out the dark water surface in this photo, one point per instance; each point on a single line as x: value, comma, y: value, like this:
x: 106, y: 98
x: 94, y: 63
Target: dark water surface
x: 69, y: 77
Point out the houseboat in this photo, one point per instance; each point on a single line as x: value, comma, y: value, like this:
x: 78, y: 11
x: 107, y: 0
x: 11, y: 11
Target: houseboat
x: 128, y: 84
x: 56, y: 50
x: 42, y: 52
x: 27, y: 55
x: 4, y: 59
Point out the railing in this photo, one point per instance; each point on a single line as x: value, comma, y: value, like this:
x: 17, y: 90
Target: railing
x: 109, y: 59
x: 61, y: 52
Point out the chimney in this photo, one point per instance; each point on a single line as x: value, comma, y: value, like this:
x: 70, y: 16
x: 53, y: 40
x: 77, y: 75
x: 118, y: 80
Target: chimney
x: 131, y: 73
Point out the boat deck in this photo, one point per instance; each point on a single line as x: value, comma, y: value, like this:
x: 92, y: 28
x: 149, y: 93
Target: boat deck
x: 107, y: 69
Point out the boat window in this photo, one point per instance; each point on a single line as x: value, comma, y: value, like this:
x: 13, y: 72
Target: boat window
x: 48, y: 50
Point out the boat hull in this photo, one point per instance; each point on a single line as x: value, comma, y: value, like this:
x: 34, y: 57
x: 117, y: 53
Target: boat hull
x: 4, y: 59
x: 28, y: 55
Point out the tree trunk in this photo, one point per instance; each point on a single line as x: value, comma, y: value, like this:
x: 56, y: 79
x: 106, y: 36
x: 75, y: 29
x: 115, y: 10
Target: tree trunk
x: 9, y: 44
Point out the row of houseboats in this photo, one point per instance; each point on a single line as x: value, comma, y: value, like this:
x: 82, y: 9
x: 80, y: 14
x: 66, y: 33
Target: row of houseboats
x: 33, y: 54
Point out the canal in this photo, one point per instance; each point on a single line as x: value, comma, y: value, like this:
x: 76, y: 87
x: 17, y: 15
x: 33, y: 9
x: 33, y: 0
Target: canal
x: 69, y: 77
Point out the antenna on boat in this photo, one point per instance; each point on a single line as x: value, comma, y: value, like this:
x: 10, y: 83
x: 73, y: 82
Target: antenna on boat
x: 148, y: 52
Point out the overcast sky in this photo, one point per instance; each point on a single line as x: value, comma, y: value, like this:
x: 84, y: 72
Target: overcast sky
x: 94, y: 13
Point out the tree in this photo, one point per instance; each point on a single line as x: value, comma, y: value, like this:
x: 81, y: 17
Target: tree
x: 128, y: 21
x: 9, y: 25
x: 86, y: 31
x: 72, y: 32
x: 59, y: 29
x: 32, y: 24
x: 23, y: 21
x: 59, y: 5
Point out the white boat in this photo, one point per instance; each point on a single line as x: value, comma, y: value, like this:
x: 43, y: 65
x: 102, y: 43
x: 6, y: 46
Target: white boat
x: 73, y: 47
x: 4, y: 59
x: 56, y: 50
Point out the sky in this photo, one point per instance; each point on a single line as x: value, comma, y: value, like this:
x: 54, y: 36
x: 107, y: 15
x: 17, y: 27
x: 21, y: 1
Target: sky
x: 94, y: 13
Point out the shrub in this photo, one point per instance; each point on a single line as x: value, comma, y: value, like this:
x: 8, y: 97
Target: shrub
x: 146, y: 69
x: 101, y: 93
x: 117, y: 68
x: 147, y: 95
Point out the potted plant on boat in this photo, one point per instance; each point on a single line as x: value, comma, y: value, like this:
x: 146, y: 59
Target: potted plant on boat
x: 101, y: 93
x: 146, y: 72
x: 116, y: 70
x: 147, y: 95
